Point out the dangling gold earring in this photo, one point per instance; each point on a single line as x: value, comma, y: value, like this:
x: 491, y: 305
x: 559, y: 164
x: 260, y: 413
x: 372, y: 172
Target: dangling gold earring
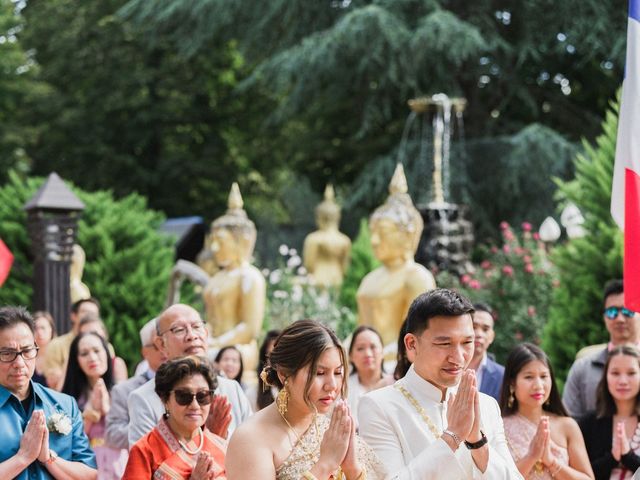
x: 511, y: 399
x: 282, y: 400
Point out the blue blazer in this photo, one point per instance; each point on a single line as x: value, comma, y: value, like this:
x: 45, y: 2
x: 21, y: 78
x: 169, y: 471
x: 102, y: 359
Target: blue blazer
x: 492, y: 379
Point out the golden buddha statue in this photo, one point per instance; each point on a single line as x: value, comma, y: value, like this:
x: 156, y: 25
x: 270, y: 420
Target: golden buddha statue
x: 235, y: 296
x: 78, y: 290
x: 326, y: 251
x: 384, y: 295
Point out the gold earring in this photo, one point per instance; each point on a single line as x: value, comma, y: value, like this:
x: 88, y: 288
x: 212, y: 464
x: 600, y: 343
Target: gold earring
x: 282, y: 400
x: 511, y: 399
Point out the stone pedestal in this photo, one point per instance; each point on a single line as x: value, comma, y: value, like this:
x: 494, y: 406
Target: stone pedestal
x: 447, y: 238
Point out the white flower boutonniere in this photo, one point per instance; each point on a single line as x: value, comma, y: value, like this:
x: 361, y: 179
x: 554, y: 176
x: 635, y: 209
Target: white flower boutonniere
x: 59, y: 423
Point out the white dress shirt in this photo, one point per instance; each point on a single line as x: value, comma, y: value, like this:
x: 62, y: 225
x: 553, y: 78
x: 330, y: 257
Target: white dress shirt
x: 408, y: 449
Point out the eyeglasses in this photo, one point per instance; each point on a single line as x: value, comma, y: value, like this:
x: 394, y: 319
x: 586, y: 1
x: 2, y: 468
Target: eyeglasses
x: 181, y: 330
x: 185, y: 397
x: 612, y: 312
x: 29, y: 353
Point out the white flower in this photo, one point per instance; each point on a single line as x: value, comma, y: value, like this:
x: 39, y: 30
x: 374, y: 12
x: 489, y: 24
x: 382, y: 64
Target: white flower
x: 293, y: 252
x: 59, y: 423
x: 302, y: 271
x: 280, y: 294
x: 294, y: 261
x: 275, y: 277
x: 283, y: 250
x: 296, y: 293
x: 265, y: 272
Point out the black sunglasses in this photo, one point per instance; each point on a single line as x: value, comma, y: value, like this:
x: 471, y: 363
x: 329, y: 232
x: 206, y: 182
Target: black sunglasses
x: 185, y: 397
x: 612, y: 312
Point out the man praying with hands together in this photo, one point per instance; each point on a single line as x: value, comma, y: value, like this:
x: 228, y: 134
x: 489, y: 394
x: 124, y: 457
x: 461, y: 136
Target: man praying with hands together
x: 434, y: 423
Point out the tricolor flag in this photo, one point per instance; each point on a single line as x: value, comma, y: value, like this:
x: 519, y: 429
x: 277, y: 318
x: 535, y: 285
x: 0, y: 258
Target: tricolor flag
x: 625, y: 195
x: 6, y: 260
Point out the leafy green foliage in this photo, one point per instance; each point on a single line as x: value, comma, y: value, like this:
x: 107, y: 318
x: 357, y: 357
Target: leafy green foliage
x: 516, y: 280
x: 585, y: 264
x: 128, y: 261
x: 362, y: 262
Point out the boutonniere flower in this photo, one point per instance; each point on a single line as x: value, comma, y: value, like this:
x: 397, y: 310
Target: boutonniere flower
x: 59, y: 423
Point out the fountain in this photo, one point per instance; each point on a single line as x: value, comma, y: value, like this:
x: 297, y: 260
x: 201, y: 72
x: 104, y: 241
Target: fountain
x: 447, y: 238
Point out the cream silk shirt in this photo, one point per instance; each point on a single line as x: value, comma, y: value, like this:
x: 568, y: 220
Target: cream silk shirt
x: 407, y: 448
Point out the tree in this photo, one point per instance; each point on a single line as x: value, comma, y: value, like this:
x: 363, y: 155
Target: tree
x: 144, y: 118
x: 19, y: 88
x: 341, y: 72
x: 128, y: 261
x: 585, y: 264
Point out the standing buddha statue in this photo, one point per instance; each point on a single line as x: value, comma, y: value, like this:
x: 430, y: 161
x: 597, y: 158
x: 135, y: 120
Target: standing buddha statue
x: 235, y: 296
x: 384, y: 295
x: 326, y: 251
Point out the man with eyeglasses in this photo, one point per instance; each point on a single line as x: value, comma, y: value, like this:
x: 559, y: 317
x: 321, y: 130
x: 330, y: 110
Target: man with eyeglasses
x: 117, y: 421
x: 623, y: 325
x: 182, y: 332
x: 41, y: 431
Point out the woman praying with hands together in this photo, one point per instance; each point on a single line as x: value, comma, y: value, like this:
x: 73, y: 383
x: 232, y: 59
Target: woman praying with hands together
x: 545, y: 442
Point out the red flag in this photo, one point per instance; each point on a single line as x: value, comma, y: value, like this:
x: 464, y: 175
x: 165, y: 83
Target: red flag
x: 6, y: 260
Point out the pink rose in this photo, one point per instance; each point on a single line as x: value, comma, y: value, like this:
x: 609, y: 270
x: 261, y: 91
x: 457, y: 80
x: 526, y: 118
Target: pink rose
x: 506, y: 248
x: 465, y: 279
x: 474, y: 285
x: 528, y: 268
x: 508, y: 270
x: 486, y: 264
x: 536, y: 236
x: 527, y: 259
x: 526, y: 226
x: 504, y: 225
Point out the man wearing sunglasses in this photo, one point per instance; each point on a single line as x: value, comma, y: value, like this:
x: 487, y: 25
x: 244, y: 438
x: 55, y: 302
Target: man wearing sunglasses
x: 623, y: 325
x: 41, y: 430
x: 181, y: 332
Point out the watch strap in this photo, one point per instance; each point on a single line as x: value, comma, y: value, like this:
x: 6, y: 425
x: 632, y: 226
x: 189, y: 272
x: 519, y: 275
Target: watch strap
x: 480, y: 443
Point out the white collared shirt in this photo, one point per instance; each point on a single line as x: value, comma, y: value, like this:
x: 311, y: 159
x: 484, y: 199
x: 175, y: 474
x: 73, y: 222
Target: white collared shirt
x: 400, y: 437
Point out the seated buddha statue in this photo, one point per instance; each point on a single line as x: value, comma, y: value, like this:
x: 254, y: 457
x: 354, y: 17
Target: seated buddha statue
x: 235, y: 296
x: 326, y: 251
x: 384, y: 295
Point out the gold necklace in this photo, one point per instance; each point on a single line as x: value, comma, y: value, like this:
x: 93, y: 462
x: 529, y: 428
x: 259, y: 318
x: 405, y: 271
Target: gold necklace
x: 434, y: 430
x: 309, y: 454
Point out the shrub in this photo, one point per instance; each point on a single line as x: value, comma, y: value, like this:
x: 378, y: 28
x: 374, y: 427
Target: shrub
x: 516, y: 279
x: 128, y: 261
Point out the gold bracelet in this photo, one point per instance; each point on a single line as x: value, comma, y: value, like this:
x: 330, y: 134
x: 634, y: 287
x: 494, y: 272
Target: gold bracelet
x: 308, y: 475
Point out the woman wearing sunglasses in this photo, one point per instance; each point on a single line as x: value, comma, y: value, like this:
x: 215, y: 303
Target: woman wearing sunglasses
x: 180, y: 446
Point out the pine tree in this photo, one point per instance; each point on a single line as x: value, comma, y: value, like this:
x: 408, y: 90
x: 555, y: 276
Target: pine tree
x: 585, y: 264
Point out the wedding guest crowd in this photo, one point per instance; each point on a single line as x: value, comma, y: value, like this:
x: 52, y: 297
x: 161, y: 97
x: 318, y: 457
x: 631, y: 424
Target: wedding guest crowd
x: 321, y: 412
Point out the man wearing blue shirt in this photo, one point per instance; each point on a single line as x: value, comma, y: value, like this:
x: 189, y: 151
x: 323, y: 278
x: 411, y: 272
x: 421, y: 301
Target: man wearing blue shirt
x: 41, y: 430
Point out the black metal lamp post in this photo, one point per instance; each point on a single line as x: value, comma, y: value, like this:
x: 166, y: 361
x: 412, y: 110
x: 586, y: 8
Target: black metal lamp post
x: 52, y: 220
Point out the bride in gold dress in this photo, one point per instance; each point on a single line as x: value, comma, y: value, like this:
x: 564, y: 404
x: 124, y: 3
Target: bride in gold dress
x: 308, y: 433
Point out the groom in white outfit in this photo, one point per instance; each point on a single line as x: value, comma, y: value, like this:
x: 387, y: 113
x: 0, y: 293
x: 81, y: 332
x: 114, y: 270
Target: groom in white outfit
x: 434, y: 423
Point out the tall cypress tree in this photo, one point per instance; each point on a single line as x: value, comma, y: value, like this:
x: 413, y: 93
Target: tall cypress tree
x: 585, y: 264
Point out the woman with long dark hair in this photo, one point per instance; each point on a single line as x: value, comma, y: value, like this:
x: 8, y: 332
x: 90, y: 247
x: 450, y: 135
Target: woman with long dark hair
x: 89, y: 379
x: 612, y: 433
x: 229, y: 362
x: 545, y: 442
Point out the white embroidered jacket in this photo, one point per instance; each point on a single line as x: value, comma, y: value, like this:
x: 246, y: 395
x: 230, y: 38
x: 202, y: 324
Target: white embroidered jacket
x: 408, y: 449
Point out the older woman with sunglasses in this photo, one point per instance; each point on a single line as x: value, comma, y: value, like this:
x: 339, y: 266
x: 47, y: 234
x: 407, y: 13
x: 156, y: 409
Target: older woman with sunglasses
x: 180, y: 446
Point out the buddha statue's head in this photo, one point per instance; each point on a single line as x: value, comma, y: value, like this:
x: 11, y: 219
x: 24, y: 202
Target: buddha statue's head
x: 396, y: 225
x: 233, y: 235
x: 328, y: 211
